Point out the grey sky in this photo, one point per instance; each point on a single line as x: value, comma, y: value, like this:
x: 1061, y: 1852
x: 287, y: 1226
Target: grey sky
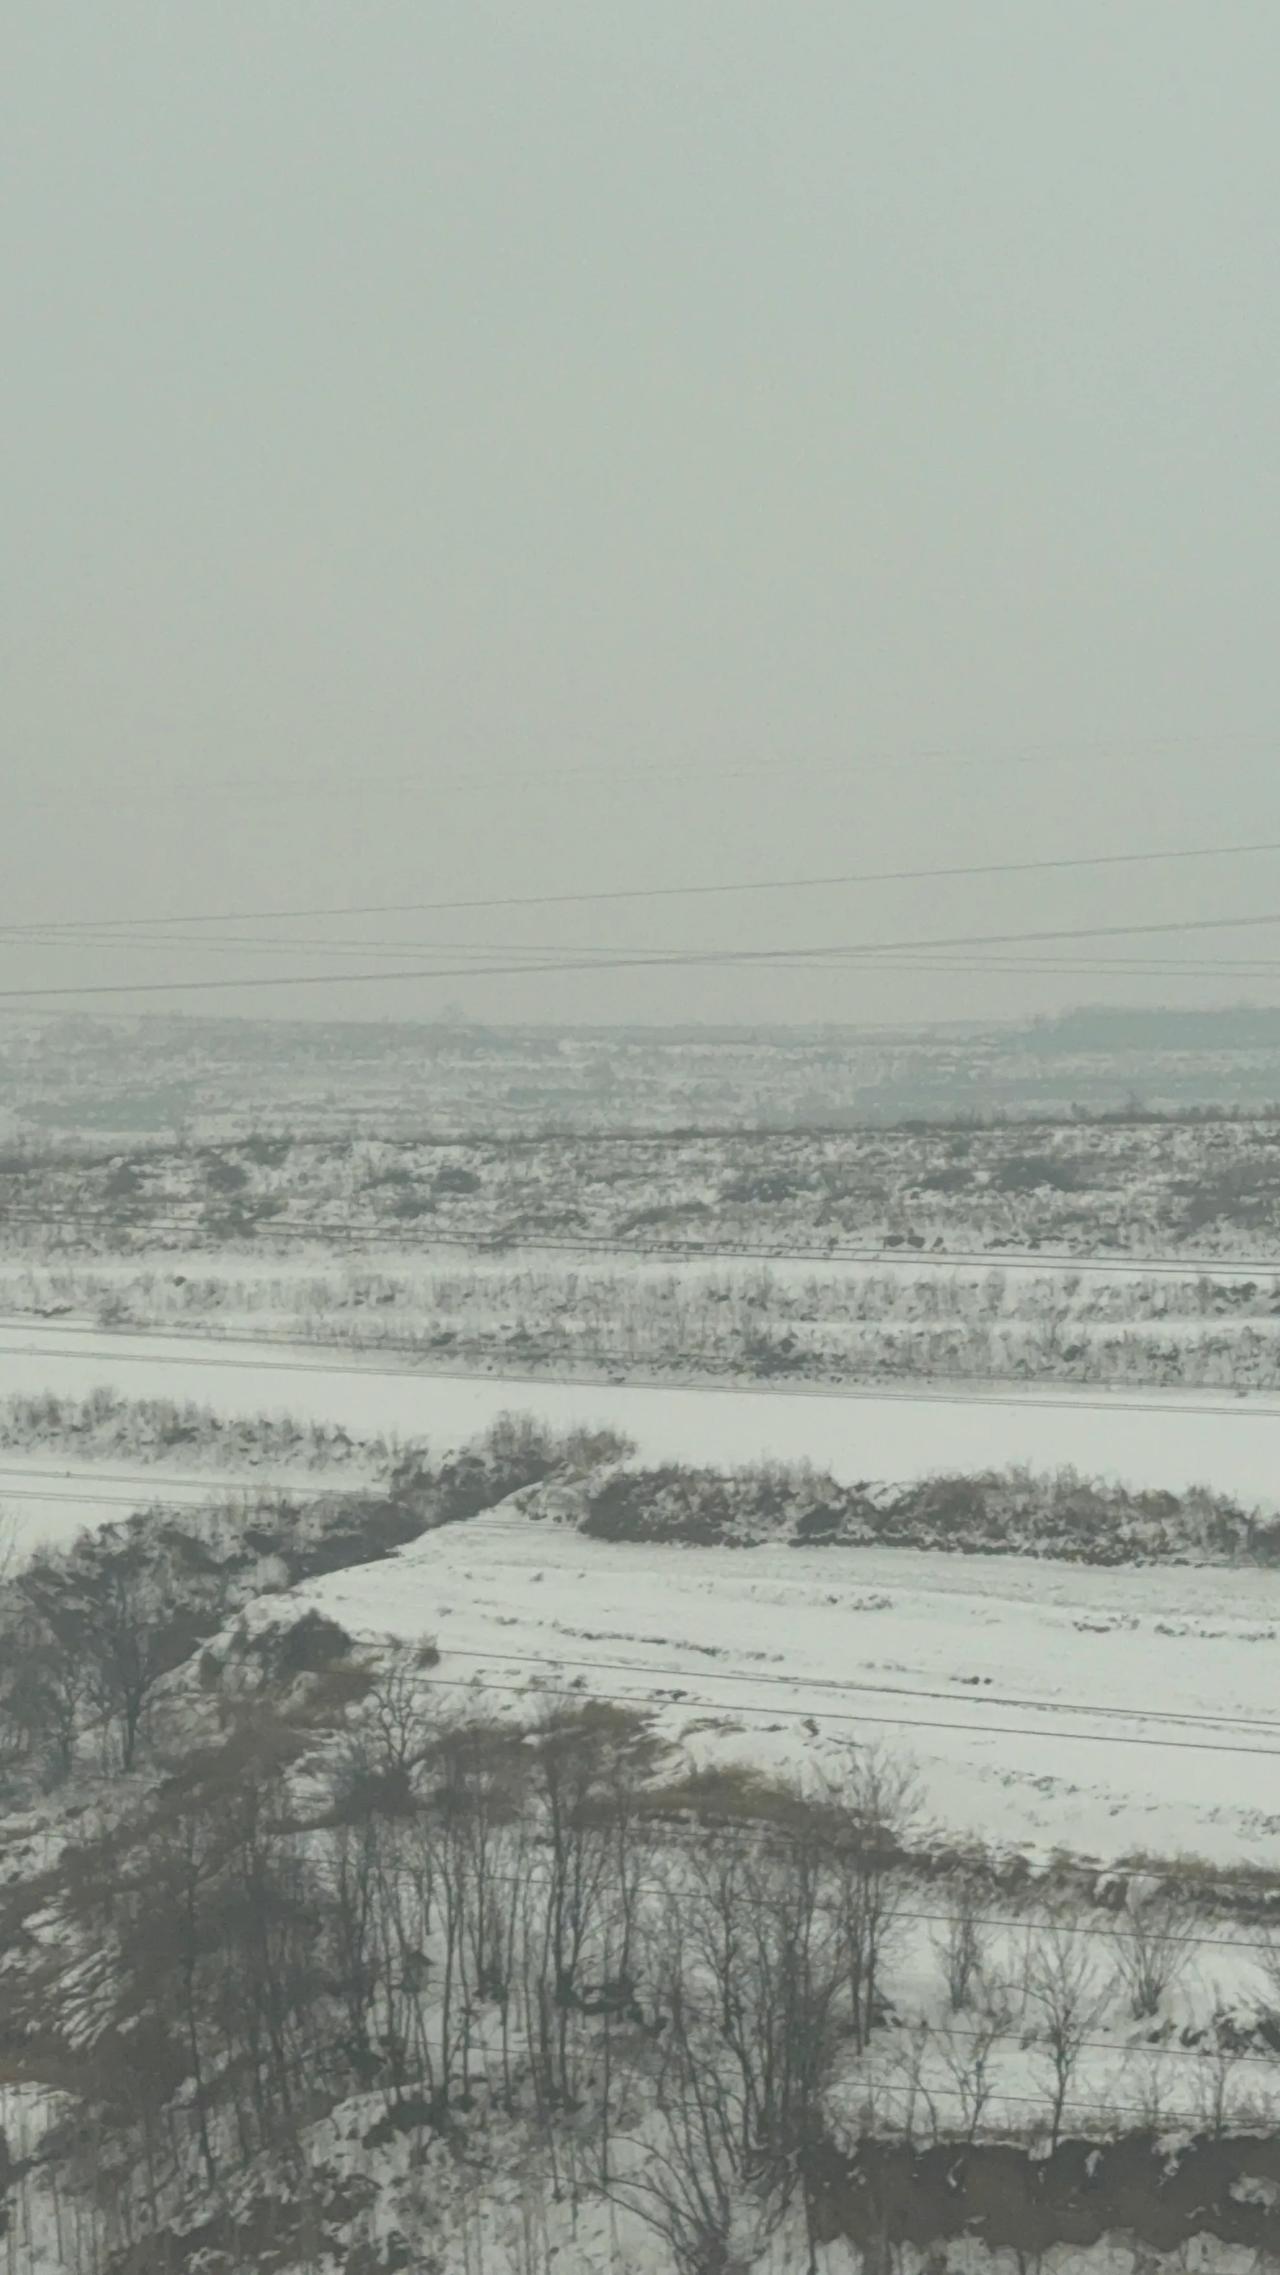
x: 469, y: 448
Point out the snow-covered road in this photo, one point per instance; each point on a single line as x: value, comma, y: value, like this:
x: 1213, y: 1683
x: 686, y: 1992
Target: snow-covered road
x: 1170, y: 1440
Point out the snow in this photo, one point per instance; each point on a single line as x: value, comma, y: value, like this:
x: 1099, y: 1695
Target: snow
x: 1169, y: 1440
x: 1078, y: 1746
x: 47, y: 1503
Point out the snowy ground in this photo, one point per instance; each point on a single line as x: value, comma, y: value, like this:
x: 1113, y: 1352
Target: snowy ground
x: 47, y: 1502
x: 1036, y: 1759
x: 1151, y: 1438
x: 1050, y: 1706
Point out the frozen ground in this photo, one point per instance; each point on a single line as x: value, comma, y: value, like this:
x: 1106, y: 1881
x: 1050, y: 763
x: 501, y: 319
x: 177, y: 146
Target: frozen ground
x: 1169, y: 1440
x: 1099, y: 1712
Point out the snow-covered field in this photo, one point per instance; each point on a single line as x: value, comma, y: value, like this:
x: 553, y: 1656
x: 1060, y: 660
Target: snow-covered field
x: 1062, y: 1706
x: 1102, y: 1712
x: 1159, y: 1439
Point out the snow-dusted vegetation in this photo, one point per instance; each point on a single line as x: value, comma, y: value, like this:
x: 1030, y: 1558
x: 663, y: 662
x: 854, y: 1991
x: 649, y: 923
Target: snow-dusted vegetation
x: 1195, y: 1187
x: 694, y: 1321
x: 1120, y: 1253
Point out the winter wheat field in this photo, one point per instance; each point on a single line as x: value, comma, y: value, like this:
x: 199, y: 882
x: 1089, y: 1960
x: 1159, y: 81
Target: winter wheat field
x: 516, y: 1595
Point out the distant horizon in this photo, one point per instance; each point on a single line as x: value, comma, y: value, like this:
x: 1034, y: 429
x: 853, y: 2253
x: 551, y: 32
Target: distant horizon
x: 465, y: 1022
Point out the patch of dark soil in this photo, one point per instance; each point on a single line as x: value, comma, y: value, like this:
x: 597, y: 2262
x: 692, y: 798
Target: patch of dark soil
x: 1083, y: 2192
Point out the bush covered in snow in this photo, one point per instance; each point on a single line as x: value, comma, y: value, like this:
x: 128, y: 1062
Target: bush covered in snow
x: 997, y: 1512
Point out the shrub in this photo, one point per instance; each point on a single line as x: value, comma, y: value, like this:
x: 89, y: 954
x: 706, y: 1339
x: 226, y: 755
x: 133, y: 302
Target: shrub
x: 304, y: 1647
x: 1028, y: 1172
x: 454, y: 1179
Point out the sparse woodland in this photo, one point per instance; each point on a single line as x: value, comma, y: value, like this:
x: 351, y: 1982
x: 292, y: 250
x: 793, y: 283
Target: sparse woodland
x: 310, y: 1958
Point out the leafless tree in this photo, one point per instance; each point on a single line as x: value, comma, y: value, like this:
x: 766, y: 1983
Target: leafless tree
x: 693, y: 2179
x: 969, y: 2060
x: 46, y: 1692
x: 400, y: 1709
x: 580, y: 1757
x: 121, y: 1625
x: 907, y: 2065
x: 1151, y: 1949
x: 1220, y: 2062
x: 871, y: 1812
x: 962, y: 1946
x: 1066, y: 1996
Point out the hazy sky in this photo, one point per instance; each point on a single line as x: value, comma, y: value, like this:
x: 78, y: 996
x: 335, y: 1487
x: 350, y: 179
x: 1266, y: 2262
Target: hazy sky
x: 456, y: 448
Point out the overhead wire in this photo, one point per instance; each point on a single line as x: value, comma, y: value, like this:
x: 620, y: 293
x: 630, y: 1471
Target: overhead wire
x: 860, y: 953
x: 551, y: 957
x: 702, y: 889
x: 839, y: 1684
x: 511, y: 1240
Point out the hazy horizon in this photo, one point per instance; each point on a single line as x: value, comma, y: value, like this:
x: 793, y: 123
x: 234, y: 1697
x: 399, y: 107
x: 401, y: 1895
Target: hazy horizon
x: 481, y: 453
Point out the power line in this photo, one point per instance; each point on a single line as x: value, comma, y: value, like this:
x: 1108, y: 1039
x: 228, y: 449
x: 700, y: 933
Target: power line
x: 564, y: 956
x: 884, y: 2082
x: 681, y: 1899
x: 515, y: 1244
x: 1143, y: 2050
x: 877, y: 1690
x: 551, y: 953
x: 807, y: 958
x: 861, y: 1720
x: 670, y: 892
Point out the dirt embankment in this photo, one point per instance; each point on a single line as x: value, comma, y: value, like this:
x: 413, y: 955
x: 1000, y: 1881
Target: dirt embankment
x: 1085, y: 2192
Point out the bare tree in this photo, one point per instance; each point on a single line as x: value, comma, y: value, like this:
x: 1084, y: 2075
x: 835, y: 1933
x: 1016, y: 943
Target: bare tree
x: 399, y: 1711
x: 580, y: 1758
x: 969, y: 2059
x: 1066, y: 1995
x: 1269, y: 1964
x: 120, y: 1624
x: 1220, y: 2062
x: 351, y: 1859
x: 178, y: 1865
x: 693, y: 2179
x: 46, y: 1692
x: 962, y: 1946
x: 908, y: 2063
x: 871, y: 1812
x: 1151, y: 1948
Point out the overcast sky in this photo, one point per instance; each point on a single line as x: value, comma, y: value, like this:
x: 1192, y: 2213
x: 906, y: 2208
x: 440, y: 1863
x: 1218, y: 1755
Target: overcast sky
x: 463, y: 449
